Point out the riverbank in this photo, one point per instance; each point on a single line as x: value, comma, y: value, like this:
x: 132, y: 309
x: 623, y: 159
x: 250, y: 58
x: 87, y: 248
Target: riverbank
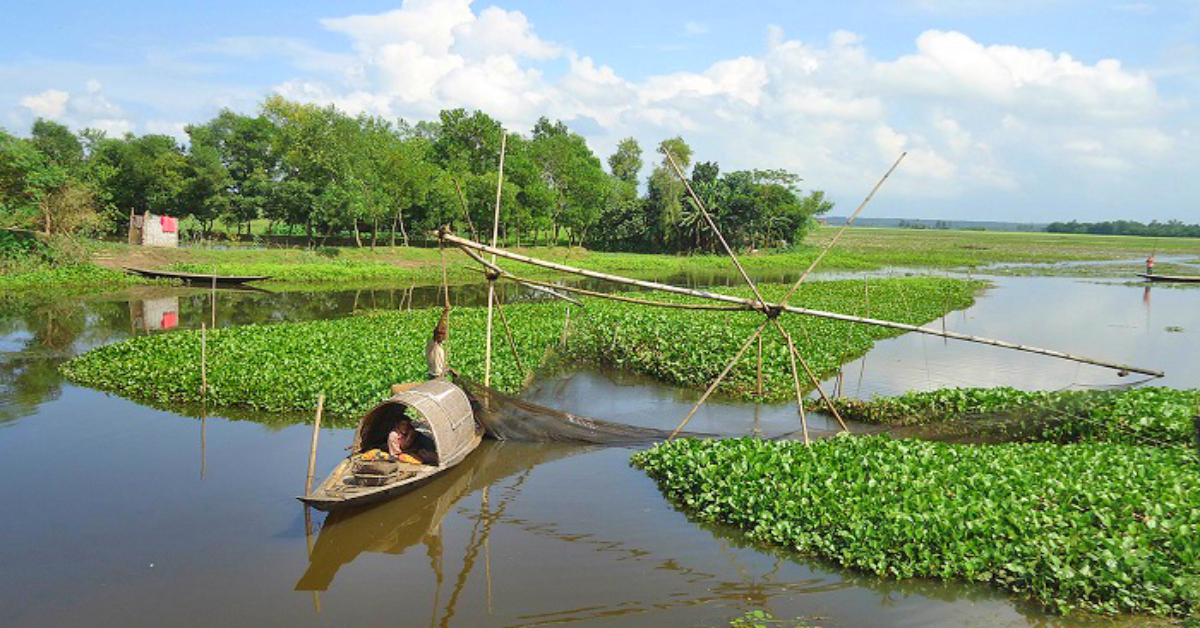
x: 861, y: 249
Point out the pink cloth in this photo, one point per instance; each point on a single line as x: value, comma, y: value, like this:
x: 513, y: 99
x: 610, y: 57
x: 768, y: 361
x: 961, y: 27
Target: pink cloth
x: 169, y: 225
x: 169, y: 320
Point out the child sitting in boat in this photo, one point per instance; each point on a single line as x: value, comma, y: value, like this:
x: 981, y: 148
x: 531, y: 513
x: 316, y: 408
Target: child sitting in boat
x: 409, y: 445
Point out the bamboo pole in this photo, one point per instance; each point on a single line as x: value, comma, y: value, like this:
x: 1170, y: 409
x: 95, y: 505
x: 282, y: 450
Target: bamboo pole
x: 312, y: 452
x: 544, y: 286
x: 759, y: 390
x: 717, y: 382
x: 712, y: 225
x: 508, y: 333
x: 466, y: 212
x: 203, y: 363
x: 562, y: 340
x: 487, y: 359
x: 214, y: 297
x: 838, y: 235
x: 536, y: 285
x: 797, y: 310
x: 799, y: 393
x: 816, y: 383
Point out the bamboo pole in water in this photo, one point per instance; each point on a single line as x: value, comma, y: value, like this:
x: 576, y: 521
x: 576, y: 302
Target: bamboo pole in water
x: 203, y: 363
x: 717, y: 381
x: 312, y: 452
x: 508, y: 332
x: 815, y: 382
x: 799, y: 393
x: 793, y: 309
x: 214, y: 297
x: 487, y: 360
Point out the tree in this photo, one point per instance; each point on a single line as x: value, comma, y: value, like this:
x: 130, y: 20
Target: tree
x: 626, y: 163
x: 57, y: 143
x: 665, y: 192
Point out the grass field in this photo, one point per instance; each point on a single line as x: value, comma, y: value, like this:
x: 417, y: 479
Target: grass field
x: 860, y: 249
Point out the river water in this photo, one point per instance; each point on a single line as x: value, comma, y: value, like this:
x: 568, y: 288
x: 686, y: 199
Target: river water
x: 120, y: 514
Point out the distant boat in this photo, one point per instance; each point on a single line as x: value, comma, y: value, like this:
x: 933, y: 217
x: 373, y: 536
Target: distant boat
x: 195, y: 278
x: 1182, y: 278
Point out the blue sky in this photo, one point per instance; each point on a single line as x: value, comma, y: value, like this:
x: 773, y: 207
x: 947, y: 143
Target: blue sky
x: 1030, y: 110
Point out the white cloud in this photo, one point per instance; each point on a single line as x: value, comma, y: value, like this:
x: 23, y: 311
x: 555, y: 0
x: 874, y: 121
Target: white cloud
x: 48, y: 104
x: 695, y: 28
x: 982, y: 123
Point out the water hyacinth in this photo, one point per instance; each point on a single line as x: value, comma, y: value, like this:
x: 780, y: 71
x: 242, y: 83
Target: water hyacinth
x: 354, y: 360
x: 1105, y: 527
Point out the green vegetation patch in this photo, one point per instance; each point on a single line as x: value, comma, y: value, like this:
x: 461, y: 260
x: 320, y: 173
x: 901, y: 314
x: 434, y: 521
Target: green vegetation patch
x: 690, y: 348
x: 354, y: 360
x: 1146, y: 416
x: 1106, y: 527
x: 70, y: 277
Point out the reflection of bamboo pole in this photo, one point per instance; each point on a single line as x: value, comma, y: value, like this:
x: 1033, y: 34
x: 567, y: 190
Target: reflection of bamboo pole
x: 203, y: 443
x: 795, y: 310
x: 717, y: 382
x: 312, y: 453
x: 487, y: 555
x: 213, y: 298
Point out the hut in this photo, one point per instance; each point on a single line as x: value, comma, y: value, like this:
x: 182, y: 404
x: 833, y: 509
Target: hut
x: 153, y: 230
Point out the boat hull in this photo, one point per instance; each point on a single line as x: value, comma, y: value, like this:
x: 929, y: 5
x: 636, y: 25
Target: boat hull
x: 195, y: 278
x: 1175, y: 278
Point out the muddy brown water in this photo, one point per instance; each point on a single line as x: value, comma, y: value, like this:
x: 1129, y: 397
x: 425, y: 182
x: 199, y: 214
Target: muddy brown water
x: 119, y: 514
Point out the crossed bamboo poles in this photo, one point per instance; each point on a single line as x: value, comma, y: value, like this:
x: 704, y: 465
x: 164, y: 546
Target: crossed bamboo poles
x: 771, y: 311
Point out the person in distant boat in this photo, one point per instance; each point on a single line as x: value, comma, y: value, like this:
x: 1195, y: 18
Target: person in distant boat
x: 1150, y: 264
x: 435, y: 352
x: 409, y: 445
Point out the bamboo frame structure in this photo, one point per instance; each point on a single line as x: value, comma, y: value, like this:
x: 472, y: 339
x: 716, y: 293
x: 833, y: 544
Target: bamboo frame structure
x: 750, y: 304
x: 487, y: 358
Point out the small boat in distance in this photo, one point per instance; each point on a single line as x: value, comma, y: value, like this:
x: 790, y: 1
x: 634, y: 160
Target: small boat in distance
x: 1180, y: 278
x: 194, y: 278
x: 438, y: 409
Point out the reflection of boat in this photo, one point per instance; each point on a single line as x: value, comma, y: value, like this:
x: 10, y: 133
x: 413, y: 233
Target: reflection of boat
x: 394, y: 527
x: 195, y: 278
x: 439, y: 408
x: 1183, y: 278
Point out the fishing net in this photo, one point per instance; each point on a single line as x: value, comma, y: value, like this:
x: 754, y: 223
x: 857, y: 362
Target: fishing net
x: 508, y: 418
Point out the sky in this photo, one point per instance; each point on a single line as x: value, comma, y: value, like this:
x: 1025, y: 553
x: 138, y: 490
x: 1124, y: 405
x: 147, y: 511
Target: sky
x: 1015, y: 110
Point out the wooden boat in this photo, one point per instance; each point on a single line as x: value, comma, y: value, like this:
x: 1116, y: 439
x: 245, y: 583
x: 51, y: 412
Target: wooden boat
x: 1183, y: 278
x: 194, y: 278
x: 438, y: 409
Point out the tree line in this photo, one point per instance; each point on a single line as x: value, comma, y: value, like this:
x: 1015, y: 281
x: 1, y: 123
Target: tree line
x: 1169, y: 229
x: 315, y: 172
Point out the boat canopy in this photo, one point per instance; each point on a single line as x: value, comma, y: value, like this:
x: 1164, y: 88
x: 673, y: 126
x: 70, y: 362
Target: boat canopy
x: 437, y: 404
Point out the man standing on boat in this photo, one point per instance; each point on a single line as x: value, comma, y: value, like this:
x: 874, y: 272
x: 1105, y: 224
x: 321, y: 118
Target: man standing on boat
x: 435, y: 352
x: 1150, y: 264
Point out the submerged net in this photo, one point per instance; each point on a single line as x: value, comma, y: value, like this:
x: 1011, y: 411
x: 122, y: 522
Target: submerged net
x: 508, y: 418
